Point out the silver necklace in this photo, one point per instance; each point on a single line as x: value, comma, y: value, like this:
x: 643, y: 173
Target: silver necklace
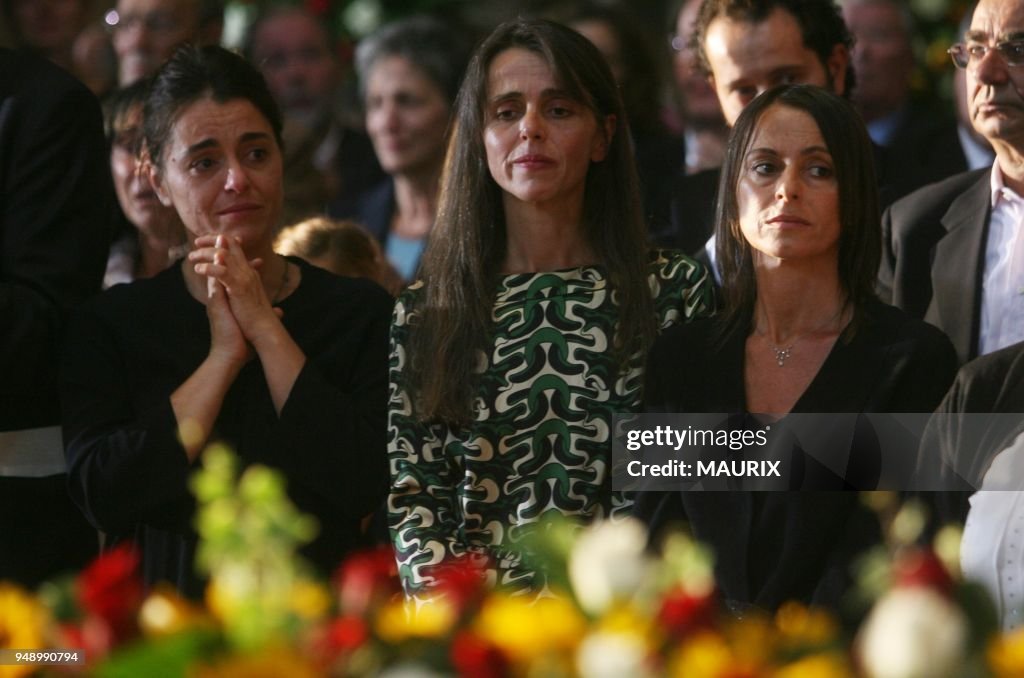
x: 784, y: 353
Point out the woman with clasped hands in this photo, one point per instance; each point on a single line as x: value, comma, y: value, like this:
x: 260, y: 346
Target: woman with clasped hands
x: 537, y: 304
x: 799, y: 241
x: 284, y: 362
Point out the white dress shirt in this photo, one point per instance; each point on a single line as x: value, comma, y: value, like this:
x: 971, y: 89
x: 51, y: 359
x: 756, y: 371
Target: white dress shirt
x: 992, y: 550
x: 1002, y: 292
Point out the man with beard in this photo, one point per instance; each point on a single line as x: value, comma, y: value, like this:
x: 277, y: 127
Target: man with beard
x: 326, y: 158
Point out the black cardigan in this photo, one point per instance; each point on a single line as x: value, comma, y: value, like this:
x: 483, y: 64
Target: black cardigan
x: 130, y: 348
x: 772, y: 547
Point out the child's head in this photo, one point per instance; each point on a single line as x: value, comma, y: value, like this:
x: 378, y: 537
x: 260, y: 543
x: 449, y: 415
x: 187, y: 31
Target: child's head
x: 341, y: 247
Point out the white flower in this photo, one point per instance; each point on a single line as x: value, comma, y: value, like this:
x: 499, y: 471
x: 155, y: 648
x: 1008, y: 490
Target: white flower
x: 410, y: 669
x: 612, y: 655
x: 913, y: 632
x: 608, y: 563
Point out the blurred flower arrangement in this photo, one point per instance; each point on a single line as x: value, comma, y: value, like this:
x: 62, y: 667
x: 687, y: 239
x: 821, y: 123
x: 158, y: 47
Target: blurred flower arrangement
x: 611, y: 609
x: 936, y: 28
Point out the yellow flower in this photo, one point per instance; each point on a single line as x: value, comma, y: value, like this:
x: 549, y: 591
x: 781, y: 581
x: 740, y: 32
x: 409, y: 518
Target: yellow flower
x: 22, y: 620
x: 753, y: 639
x: 165, y: 612
x: 1006, y: 654
x: 802, y: 626
x: 309, y: 600
x: 947, y: 547
x: 268, y: 663
x: 524, y: 628
x: 828, y: 665
x: 626, y: 618
x: 396, y: 621
x: 706, y: 655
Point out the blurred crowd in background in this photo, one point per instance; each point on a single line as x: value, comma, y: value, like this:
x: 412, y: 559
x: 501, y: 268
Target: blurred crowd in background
x: 900, y: 57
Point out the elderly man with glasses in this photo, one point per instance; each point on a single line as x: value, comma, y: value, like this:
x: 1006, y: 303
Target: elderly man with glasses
x: 146, y: 32
x: 954, y: 250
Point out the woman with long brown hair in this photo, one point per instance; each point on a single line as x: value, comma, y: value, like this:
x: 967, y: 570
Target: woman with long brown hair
x: 801, y: 331
x: 537, y: 304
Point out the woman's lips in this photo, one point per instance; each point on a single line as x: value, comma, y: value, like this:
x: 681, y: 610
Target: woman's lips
x: 533, y: 161
x: 788, y: 220
x: 241, y: 208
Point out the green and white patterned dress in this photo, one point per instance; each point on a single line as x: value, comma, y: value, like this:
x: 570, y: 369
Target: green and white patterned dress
x: 540, y: 442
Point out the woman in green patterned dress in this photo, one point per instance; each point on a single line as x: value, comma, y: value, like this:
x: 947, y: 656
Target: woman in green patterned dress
x: 537, y: 303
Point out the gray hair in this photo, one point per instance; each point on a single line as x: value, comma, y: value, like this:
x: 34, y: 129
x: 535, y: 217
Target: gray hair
x: 428, y: 43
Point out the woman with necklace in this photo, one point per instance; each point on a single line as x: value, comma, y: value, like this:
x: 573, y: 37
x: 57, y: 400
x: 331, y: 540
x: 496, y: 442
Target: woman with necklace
x: 801, y: 331
x: 282, y: 361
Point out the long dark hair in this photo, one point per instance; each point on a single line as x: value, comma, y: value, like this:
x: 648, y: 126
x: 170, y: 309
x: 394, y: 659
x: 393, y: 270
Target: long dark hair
x: 860, y: 230
x: 467, y: 244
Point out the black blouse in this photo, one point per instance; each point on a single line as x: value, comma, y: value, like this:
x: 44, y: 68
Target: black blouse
x: 133, y: 346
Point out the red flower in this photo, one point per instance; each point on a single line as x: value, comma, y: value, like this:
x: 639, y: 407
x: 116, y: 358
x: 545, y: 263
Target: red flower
x: 346, y: 634
x: 461, y: 581
x: 318, y: 7
x: 922, y: 568
x: 366, y: 577
x: 474, y: 657
x: 111, y: 589
x: 682, y: 613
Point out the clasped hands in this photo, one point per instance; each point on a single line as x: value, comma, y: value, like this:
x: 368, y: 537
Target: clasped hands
x: 237, y: 307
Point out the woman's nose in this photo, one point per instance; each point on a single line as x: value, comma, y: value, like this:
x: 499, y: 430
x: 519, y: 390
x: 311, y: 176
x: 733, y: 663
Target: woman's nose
x: 531, y: 126
x: 389, y: 117
x: 237, y: 181
x: 788, y: 186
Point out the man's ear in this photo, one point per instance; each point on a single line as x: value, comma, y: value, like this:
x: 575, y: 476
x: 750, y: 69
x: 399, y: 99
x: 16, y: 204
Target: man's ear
x: 600, y: 149
x: 837, y: 64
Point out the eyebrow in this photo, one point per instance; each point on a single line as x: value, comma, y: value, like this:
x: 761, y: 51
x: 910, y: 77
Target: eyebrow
x: 210, y: 143
x: 981, y: 36
x: 810, y: 150
x: 786, y: 69
x: 550, y: 93
x: 201, y: 146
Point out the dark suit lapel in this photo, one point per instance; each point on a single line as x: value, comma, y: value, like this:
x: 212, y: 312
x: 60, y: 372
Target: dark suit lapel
x: 957, y: 268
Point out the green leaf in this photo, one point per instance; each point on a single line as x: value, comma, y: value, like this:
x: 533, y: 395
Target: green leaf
x: 156, y: 658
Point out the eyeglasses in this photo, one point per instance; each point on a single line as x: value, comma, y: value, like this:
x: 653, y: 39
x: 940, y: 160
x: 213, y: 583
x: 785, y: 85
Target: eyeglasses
x: 153, y: 22
x: 965, y: 54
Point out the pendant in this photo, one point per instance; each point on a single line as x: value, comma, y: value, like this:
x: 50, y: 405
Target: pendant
x: 782, y: 354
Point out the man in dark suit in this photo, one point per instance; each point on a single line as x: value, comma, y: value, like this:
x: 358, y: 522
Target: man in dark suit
x: 917, y: 139
x: 745, y: 48
x: 327, y: 156
x: 954, y: 251
x: 56, y: 207
x: 975, y: 442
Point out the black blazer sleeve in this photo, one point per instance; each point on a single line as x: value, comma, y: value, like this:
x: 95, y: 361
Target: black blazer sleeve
x: 56, y: 207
